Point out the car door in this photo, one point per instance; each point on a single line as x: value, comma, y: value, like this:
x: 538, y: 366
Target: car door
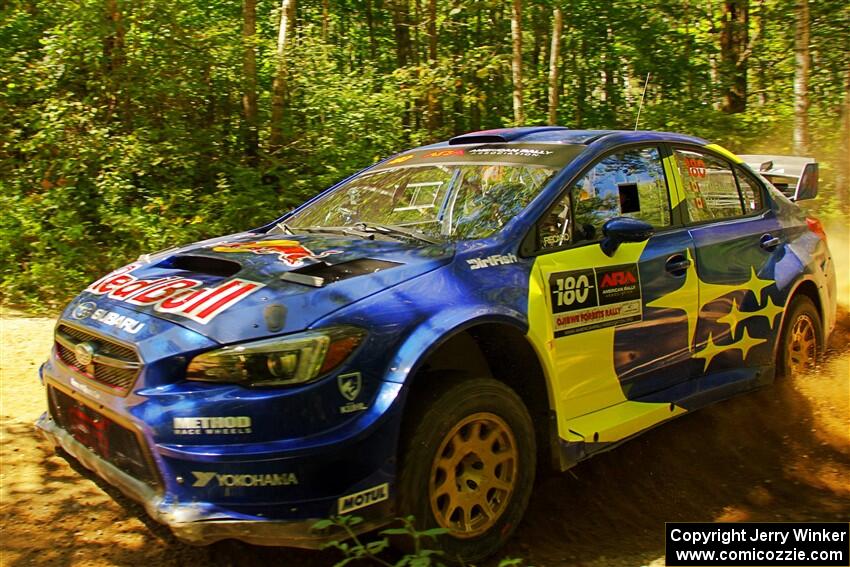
x: 616, y: 327
x: 738, y: 243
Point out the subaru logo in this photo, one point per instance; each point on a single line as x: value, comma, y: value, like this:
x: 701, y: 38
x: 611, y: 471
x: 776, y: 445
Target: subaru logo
x: 83, y: 310
x: 349, y: 385
x: 84, y: 353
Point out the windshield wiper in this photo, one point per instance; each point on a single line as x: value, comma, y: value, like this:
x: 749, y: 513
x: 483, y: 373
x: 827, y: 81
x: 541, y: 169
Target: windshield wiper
x: 395, y: 230
x: 284, y: 228
x: 346, y: 230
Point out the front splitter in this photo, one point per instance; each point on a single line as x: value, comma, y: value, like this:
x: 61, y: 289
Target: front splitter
x: 192, y: 523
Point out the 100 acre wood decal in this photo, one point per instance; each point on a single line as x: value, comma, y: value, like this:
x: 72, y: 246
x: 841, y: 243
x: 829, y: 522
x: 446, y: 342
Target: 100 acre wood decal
x: 585, y: 300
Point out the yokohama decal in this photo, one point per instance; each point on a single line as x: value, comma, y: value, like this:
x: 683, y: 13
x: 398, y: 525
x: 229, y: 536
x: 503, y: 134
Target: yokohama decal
x: 175, y: 295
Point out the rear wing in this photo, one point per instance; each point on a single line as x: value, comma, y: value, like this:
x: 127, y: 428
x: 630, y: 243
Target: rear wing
x: 796, y: 177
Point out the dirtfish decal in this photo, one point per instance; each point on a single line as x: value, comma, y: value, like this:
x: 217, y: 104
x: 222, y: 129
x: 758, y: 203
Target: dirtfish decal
x: 490, y: 261
x: 288, y: 251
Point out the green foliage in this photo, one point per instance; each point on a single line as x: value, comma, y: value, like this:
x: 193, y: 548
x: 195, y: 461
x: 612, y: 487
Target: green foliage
x: 122, y: 127
x: 353, y: 548
x: 376, y: 551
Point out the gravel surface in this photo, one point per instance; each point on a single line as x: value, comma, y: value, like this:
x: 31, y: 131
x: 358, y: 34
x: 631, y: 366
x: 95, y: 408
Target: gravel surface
x: 782, y: 453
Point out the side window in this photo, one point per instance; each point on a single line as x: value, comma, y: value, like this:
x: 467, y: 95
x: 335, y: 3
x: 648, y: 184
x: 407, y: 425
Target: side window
x: 629, y: 183
x: 710, y: 189
x: 751, y: 192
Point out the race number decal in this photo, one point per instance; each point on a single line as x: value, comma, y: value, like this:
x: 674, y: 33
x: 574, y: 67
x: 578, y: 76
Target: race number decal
x: 586, y: 300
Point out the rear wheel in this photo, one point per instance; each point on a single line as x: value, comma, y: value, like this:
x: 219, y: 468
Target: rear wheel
x: 468, y: 465
x: 802, y: 338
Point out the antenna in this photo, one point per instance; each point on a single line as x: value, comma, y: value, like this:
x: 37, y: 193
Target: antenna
x: 646, y: 84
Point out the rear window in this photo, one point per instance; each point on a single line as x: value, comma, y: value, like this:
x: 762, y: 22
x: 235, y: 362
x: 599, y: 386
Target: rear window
x: 751, y: 192
x: 711, y: 192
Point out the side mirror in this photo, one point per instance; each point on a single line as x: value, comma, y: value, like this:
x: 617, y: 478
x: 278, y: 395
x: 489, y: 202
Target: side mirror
x: 807, y: 186
x: 623, y: 229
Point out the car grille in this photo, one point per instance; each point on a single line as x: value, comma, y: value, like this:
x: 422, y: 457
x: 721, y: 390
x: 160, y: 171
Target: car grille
x: 113, y: 443
x: 112, y: 364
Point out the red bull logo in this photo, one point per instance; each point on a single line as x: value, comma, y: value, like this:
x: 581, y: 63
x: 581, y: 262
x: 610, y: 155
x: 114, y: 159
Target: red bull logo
x: 183, y: 297
x: 290, y: 252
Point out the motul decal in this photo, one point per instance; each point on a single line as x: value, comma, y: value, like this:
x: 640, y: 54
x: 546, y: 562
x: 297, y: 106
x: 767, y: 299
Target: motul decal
x: 184, y: 297
x: 586, y: 300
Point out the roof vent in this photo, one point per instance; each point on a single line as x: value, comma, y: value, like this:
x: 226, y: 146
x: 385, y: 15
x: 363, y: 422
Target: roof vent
x: 500, y: 135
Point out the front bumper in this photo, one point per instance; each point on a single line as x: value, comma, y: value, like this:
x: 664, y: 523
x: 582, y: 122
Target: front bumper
x: 192, y: 523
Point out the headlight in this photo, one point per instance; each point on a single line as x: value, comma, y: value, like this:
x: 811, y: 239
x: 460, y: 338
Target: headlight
x: 281, y: 361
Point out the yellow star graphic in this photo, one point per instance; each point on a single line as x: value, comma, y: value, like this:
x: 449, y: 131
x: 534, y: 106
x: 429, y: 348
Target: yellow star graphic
x: 733, y: 318
x: 747, y: 342
x: 685, y: 296
x: 770, y: 310
x: 711, y: 350
x: 756, y: 284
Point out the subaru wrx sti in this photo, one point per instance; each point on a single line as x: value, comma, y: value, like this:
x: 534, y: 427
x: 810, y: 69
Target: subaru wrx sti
x: 421, y: 337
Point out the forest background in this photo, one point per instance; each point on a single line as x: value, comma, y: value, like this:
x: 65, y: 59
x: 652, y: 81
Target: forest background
x: 127, y: 126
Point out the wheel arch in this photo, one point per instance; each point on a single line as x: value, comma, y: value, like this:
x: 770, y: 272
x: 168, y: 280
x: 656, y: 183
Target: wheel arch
x: 496, y: 347
x: 808, y: 288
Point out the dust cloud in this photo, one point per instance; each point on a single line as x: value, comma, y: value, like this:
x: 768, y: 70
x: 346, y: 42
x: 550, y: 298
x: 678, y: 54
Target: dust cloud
x: 838, y: 238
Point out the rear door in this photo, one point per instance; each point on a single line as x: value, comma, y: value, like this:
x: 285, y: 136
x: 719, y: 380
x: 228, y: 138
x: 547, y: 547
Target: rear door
x: 738, y: 243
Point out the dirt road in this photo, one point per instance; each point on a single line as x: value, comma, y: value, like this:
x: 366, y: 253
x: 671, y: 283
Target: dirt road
x: 782, y: 453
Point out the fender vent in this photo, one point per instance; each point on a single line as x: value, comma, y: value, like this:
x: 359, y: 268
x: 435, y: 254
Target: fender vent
x: 321, y: 274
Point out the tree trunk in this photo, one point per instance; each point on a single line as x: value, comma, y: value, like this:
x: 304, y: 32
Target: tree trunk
x: 401, y: 24
x: 249, y: 80
x: 113, y: 43
x: 370, y: 22
x: 557, y: 23
x: 516, y: 62
x: 284, y: 37
x: 431, y: 27
x: 801, y: 78
x: 325, y: 19
x: 734, y: 40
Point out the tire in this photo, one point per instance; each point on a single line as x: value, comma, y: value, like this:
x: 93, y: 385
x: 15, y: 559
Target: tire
x: 468, y: 461
x: 801, y: 341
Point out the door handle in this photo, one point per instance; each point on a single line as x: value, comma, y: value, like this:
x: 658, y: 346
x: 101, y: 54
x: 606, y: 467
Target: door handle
x: 677, y: 264
x: 769, y: 242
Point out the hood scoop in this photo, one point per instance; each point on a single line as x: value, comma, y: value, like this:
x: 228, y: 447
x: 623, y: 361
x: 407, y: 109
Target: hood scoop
x: 202, y: 265
x: 322, y: 274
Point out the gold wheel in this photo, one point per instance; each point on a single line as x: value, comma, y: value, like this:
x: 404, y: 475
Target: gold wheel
x: 802, y: 346
x: 473, y: 475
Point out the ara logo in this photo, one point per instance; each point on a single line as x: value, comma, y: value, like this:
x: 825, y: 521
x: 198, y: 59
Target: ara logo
x: 203, y: 479
x: 617, y: 278
x: 364, y: 498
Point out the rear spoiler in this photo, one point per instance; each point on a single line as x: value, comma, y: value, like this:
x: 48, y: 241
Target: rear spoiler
x: 796, y: 177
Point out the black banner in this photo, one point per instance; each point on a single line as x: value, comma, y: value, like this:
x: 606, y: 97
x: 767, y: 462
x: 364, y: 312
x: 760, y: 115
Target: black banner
x: 758, y: 544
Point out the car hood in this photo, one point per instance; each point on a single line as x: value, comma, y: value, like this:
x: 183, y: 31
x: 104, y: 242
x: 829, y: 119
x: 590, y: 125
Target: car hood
x: 250, y: 285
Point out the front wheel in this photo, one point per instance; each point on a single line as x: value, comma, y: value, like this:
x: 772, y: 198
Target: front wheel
x: 801, y: 339
x: 468, y: 464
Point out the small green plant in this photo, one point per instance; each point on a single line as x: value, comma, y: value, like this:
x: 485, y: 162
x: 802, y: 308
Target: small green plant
x: 355, y: 549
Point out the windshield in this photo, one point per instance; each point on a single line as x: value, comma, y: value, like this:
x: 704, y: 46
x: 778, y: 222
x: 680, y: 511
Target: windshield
x: 448, y: 201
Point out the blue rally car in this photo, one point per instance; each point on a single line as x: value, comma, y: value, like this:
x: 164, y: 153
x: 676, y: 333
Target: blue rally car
x: 422, y: 337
